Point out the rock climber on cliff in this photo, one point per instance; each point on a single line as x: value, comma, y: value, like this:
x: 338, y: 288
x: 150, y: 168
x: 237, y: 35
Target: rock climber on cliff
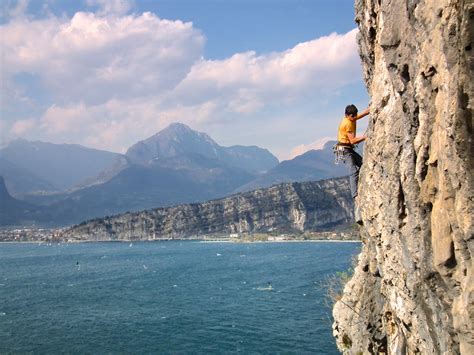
x: 344, y: 149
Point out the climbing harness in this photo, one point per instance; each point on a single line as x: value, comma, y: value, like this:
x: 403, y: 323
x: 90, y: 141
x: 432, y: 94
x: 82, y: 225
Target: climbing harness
x: 341, y: 152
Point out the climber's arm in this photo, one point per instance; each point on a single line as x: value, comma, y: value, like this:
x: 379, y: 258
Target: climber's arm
x: 362, y: 114
x: 353, y: 139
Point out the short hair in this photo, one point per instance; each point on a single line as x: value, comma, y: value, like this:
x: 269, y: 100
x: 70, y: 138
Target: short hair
x: 351, y: 110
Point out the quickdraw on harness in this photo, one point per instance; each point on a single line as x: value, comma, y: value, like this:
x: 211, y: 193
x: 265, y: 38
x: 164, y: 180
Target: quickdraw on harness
x: 340, y: 152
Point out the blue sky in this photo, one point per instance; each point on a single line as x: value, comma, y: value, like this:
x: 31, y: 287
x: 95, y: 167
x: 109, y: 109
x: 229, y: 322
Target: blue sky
x: 273, y: 73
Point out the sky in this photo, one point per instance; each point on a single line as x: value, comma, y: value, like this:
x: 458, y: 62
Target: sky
x: 108, y: 73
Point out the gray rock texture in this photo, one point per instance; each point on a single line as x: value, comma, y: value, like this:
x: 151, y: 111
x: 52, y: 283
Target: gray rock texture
x: 412, y: 291
x: 292, y: 207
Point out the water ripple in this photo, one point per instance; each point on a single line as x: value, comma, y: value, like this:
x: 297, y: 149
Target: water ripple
x: 170, y: 297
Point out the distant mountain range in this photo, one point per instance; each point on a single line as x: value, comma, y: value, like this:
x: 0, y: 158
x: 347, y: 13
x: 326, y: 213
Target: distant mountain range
x: 21, y: 180
x: 310, y: 166
x: 32, y: 167
x: 176, y: 165
x: 17, y: 212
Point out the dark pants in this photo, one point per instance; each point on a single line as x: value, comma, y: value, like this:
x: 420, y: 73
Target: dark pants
x: 353, y: 161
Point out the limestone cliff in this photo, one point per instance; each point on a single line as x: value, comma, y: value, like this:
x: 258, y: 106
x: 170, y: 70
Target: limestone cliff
x: 412, y: 291
x: 292, y: 207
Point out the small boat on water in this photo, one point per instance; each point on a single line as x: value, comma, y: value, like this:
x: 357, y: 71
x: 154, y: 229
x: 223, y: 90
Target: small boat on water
x: 268, y: 288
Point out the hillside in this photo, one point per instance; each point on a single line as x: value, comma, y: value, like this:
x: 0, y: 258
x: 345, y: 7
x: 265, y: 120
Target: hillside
x: 142, y: 187
x: 310, y: 166
x: 282, y: 208
x: 15, y: 212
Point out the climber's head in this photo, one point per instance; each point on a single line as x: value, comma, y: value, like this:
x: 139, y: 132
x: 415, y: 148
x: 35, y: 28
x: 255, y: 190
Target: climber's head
x: 351, y: 111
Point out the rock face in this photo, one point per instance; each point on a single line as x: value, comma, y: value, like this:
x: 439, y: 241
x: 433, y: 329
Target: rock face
x: 413, y: 289
x: 286, y: 207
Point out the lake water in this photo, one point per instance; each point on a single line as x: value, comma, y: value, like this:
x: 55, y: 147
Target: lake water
x: 168, y: 297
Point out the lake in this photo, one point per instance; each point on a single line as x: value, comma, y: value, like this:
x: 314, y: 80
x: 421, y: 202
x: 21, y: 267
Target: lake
x: 169, y: 297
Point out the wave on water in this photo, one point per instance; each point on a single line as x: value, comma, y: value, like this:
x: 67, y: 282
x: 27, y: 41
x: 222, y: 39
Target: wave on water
x: 222, y: 305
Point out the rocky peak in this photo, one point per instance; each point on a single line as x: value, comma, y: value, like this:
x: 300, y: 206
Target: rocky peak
x: 181, y: 132
x: 178, y: 141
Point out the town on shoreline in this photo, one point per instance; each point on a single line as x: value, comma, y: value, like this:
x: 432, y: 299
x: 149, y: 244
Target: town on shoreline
x: 56, y: 236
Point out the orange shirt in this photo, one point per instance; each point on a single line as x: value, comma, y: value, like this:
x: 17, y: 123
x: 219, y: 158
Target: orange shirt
x: 346, y: 126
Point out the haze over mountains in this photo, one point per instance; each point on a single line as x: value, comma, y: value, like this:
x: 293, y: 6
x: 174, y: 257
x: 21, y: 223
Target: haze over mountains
x: 13, y: 211
x: 310, y: 166
x: 177, y: 165
x: 30, y: 167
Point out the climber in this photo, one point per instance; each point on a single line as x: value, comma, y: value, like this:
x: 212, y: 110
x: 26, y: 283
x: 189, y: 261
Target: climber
x: 344, y: 149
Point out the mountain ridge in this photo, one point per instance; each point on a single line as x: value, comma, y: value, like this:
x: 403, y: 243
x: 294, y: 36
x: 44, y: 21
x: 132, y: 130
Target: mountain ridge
x: 16, y: 212
x: 309, y: 166
x: 291, y: 207
x: 63, y: 166
x: 180, y: 140
x: 175, y: 165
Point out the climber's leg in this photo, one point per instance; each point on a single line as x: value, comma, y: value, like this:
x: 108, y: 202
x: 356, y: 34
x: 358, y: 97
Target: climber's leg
x: 354, y: 161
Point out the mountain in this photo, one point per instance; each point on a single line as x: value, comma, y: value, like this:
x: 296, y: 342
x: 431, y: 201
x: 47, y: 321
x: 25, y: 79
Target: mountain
x: 178, y: 140
x: 56, y: 167
x: 140, y: 187
x: 177, y: 165
x: 14, y: 212
x: 19, y: 180
x: 310, y: 166
x: 120, y: 163
x: 294, y: 207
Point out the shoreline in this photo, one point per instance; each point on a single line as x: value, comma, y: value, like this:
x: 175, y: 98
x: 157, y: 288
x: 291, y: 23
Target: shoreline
x: 184, y: 240
x: 284, y: 241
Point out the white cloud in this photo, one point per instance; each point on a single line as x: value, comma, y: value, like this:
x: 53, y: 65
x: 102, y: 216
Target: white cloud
x: 303, y: 148
x: 111, y: 79
x: 109, y: 125
x: 113, y: 125
x: 118, y: 7
x: 325, y: 63
x: 92, y: 58
x: 21, y: 127
x: 4, y: 137
x: 59, y: 120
